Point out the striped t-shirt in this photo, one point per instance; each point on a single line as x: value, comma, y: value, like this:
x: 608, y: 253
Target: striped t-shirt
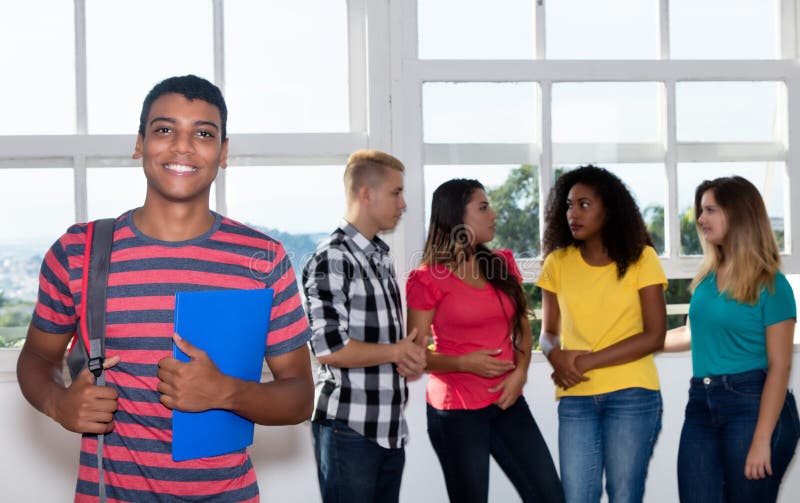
x: 144, y: 276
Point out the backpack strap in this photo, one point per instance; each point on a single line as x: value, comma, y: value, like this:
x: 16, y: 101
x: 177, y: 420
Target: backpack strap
x: 101, y: 236
x: 95, y: 302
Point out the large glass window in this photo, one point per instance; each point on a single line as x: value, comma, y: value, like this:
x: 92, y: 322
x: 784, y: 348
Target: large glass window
x: 502, y: 29
x: 731, y: 111
x: 133, y: 45
x: 480, y: 112
x: 614, y: 112
x: 298, y: 205
x: 112, y: 190
x: 286, y: 66
x: 588, y: 29
x: 37, y: 205
x: 724, y: 29
x: 661, y: 126
x: 37, y: 91
x: 519, y: 91
x: 295, y: 68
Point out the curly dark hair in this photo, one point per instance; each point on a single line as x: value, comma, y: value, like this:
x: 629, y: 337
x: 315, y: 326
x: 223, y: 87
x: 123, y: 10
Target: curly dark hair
x: 448, y: 243
x: 624, y: 233
x: 190, y: 87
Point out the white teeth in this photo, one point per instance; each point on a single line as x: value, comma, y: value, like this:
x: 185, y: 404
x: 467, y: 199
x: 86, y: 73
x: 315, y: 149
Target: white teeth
x: 180, y: 168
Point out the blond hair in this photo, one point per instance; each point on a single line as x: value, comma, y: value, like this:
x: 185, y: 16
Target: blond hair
x: 367, y: 167
x: 749, y: 248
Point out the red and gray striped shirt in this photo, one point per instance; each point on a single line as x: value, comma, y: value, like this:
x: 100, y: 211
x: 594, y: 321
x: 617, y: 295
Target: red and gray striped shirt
x: 145, y: 274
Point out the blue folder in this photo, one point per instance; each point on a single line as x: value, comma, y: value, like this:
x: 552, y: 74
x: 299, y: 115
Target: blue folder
x: 231, y: 327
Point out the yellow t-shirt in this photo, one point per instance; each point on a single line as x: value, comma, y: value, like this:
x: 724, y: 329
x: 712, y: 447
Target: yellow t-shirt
x: 598, y: 309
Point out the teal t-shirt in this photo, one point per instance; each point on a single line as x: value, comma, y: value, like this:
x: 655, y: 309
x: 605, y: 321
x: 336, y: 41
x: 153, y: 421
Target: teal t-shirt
x: 729, y: 337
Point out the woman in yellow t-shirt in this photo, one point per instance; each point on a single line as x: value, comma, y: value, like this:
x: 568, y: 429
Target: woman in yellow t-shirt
x: 603, y: 317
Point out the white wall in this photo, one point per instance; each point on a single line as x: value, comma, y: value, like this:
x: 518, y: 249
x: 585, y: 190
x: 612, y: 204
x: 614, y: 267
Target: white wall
x: 38, y: 461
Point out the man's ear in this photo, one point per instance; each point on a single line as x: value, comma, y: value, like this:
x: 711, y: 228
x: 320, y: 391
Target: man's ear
x: 364, y: 194
x: 137, y: 150
x: 223, y: 157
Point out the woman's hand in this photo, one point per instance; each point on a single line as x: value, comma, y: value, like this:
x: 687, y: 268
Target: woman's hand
x: 565, y: 372
x: 484, y: 362
x: 758, y: 466
x: 510, y: 388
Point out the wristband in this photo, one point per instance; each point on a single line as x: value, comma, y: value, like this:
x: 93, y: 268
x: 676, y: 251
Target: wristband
x: 548, y: 341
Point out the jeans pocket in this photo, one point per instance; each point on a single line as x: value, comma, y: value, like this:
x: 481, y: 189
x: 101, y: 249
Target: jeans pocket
x: 750, y: 389
x: 343, y: 431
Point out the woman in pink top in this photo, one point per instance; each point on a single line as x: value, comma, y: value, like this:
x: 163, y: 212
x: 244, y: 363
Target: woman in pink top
x: 473, y: 301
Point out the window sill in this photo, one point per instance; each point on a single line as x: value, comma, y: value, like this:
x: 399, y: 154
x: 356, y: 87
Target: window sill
x: 8, y: 362
x: 8, y: 365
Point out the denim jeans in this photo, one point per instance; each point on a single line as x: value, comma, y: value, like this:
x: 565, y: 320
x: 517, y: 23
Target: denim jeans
x: 352, y: 468
x: 720, y: 420
x: 464, y: 440
x: 614, y: 431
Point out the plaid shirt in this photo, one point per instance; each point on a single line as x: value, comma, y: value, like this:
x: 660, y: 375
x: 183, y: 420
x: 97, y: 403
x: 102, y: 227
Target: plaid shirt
x: 351, y: 292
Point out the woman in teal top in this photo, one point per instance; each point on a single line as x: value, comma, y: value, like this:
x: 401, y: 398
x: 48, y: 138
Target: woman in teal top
x: 741, y: 425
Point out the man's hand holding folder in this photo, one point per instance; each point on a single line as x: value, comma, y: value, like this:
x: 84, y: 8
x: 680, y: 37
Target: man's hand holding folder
x: 193, y: 386
x: 212, y: 382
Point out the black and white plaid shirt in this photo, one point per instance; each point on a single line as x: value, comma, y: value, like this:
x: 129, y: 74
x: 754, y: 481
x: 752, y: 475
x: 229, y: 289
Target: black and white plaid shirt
x: 352, y: 293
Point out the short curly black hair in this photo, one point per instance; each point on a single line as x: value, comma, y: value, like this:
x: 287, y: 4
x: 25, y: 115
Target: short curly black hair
x: 190, y: 87
x: 624, y: 232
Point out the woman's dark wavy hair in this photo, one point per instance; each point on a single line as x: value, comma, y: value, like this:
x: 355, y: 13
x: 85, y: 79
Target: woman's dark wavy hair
x: 624, y: 233
x: 449, y: 241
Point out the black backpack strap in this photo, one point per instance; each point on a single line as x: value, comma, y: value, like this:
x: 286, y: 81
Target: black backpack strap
x: 99, y: 265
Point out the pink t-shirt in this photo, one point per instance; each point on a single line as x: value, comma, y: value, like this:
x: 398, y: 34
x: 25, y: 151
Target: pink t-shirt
x: 467, y: 319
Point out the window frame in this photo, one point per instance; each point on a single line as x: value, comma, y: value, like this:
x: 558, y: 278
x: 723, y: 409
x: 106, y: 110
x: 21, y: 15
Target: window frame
x: 416, y: 153
x: 386, y: 77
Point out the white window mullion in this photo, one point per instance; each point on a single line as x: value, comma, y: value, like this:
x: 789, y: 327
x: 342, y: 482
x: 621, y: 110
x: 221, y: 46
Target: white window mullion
x: 357, y: 64
x: 378, y: 56
x: 731, y: 151
x: 81, y: 192
x: 481, y: 153
x: 622, y: 152
x: 407, y: 131
x: 541, y: 41
x: 546, y: 175
x: 672, y: 220
x: 450, y: 70
x: 219, y: 79
x: 81, y: 97
x: 664, y: 48
x: 81, y: 111
x: 788, y: 33
x: 791, y: 224
x: 789, y: 17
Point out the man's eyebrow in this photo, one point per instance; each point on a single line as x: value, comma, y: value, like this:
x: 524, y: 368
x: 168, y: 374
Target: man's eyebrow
x: 206, y: 123
x: 174, y: 121
x: 162, y: 119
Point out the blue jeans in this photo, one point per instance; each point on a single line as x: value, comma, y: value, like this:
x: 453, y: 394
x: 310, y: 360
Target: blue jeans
x: 352, y: 468
x: 720, y: 420
x: 614, y: 431
x: 464, y: 440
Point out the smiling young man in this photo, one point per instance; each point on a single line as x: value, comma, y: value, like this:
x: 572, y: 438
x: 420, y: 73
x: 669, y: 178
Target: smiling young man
x: 354, y: 306
x: 172, y: 243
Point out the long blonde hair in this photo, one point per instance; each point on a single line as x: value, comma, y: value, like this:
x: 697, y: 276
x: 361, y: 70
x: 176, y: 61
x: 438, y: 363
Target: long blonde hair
x: 749, y: 247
